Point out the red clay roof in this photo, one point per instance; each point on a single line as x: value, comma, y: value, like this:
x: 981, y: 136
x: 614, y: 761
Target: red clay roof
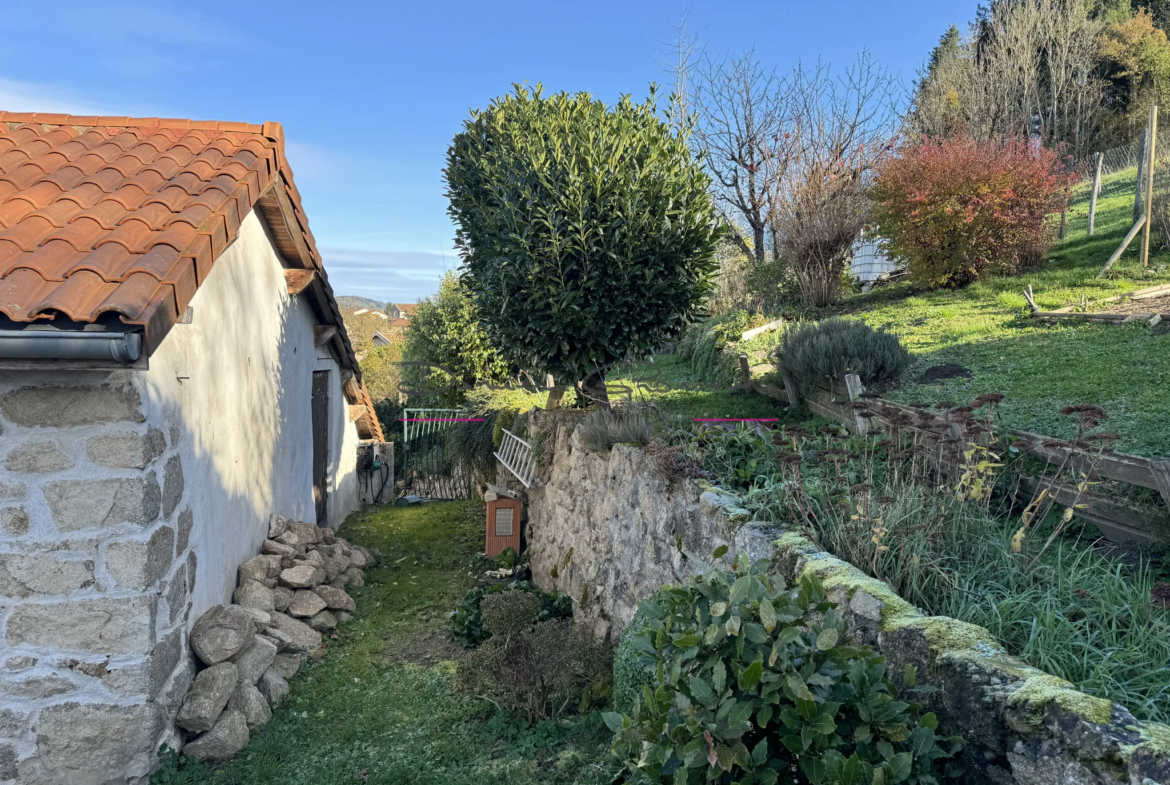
x: 127, y: 216
x: 407, y: 308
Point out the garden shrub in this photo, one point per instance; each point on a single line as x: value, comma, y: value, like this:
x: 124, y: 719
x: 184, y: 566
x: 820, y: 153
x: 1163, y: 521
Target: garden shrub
x: 755, y: 681
x: 630, y: 673
x: 587, y: 231
x: 702, y: 346
x: 467, y: 619
x: 955, y: 209
x: 445, y: 331
x: 831, y: 348
x: 507, y: 558
x: 538, y: 667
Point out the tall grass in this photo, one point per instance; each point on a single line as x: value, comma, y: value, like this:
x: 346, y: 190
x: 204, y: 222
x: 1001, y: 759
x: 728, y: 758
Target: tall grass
x: 1076, y: 614
x: 1068, y: 607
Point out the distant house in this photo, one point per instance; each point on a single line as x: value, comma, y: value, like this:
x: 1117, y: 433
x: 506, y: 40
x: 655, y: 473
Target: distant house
x: 402, y: 310
x: 381, y: 340
x: 174, y: 369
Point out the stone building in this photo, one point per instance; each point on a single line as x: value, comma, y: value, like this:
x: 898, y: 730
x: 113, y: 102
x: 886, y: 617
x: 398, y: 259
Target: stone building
x: 173, y: 371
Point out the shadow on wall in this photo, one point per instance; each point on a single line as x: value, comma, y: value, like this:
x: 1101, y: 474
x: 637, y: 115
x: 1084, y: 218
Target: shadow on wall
x: 238, y: 382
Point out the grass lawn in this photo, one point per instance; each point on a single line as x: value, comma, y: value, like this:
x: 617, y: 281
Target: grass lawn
x: 1040, y: 368
x: 669, y: 384
x: 379, y: 709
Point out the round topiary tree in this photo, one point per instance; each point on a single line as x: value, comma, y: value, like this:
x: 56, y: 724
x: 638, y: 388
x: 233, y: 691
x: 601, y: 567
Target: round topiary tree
x: 587, y: 232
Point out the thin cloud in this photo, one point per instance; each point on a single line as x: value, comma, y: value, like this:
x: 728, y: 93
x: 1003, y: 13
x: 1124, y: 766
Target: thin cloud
x: 390, y: 276
x: 16, y: 96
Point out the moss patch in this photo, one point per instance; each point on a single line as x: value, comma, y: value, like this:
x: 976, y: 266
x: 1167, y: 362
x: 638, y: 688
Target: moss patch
x: 948, y: 635
x: 1042, y: 689
x: 833, y: 573
x: 792, y: 541
x: 1157, y: 737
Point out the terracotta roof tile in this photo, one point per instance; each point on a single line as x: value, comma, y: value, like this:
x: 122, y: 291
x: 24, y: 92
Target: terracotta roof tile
x: 128, y: 215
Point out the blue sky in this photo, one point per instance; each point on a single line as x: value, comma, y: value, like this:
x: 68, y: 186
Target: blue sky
x: 370, y: 94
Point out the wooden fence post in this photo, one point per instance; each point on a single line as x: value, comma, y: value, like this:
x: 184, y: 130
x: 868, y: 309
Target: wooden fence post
x: 1150, y: 144
x: 1137, y: 191
x: 853, y: 385
x: 746, y: 371
x: 1093, y: 195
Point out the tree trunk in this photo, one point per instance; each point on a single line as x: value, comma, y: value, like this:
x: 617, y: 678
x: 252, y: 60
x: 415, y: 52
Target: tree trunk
x: 592, y: 389
x: 554, y: 394
x: 758, y: 232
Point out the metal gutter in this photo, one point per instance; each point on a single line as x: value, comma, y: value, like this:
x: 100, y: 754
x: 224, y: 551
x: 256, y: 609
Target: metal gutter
x: 123, y: 348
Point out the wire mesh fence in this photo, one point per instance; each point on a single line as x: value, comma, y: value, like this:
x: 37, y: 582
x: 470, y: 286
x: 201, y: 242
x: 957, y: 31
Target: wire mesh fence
x: 1108, y: 201
x: 1116, y: 184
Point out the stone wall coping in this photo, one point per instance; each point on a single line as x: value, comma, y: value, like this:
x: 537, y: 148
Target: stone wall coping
x: 1047, y: 716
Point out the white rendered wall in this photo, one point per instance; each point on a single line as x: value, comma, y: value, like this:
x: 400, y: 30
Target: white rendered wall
x: 238, y: 382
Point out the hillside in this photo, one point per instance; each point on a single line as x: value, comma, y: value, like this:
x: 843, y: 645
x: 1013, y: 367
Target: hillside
x: 983, y: 332
x: 349, y: 302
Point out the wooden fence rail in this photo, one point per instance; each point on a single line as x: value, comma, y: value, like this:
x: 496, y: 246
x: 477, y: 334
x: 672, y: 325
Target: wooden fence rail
x: 1116, y: 521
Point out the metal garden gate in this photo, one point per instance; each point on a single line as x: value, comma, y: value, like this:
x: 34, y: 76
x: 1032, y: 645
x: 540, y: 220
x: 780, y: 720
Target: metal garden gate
x: 428, y: 470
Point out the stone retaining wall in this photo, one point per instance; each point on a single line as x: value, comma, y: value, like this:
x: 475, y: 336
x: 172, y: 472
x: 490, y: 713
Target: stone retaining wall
x: 95, y: 577
x: 609, y: 529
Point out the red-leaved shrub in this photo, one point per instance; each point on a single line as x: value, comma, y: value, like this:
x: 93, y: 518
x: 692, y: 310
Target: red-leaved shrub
x: 955, y: 208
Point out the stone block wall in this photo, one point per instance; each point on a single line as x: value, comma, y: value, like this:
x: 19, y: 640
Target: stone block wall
x: 609, y: 529
x: 95, y: 577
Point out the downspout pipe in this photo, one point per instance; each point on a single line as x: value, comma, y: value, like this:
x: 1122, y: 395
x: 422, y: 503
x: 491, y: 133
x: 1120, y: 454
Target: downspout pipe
x: 121, y: 347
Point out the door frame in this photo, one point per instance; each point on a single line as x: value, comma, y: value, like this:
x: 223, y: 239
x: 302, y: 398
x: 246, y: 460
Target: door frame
x: 319, y: 429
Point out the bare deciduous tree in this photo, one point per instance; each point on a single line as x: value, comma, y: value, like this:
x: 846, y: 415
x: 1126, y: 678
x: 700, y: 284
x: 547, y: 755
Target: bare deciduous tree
x: 1028, y: 69
x: 741, y: 112
x: 841, y: 128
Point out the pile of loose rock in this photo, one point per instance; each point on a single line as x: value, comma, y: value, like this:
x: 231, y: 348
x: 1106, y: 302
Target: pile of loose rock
x: 286, y: 598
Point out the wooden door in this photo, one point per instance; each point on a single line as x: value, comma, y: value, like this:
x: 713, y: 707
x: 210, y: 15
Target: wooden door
x: 320, y: 441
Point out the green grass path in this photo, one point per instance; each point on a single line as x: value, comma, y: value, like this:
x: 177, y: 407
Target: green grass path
x: 378, y: 708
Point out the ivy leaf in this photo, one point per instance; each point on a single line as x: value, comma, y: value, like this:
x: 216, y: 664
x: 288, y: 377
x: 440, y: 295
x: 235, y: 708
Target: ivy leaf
x: 929, y: 721
x: 613, y: 720
x: 827, y: 639
x: 760, y: 753
x: 720, y: 552
x: 767, y: 615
